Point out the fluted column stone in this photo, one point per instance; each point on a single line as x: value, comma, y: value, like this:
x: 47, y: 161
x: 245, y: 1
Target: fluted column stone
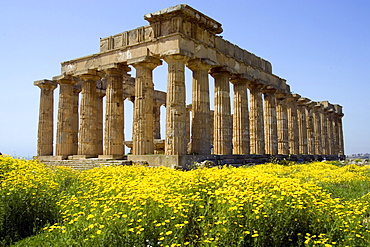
x: 114, y: 111
x: 241, y: 141
x: 302, y: 125
x: 65, y: 124
x: 293, y: 129
x: 222, y: 112
x: 88, y: 115
x: 157, y: 120
x: 176, y: 109
x: 188, y: 124
x: 100, y: 93
x: 330, y: 131
x: 200, y: 122
x: 282, y: 123
x: 270, y: 122
x: 310, y: 128
x: 75, y: 116
x: 212, y: 113
x: 143, y: 135
x: 317, y: 128
x: 45, y: 126
x: 339, y: 116
x: 256, y: 123
x: 324, y: 129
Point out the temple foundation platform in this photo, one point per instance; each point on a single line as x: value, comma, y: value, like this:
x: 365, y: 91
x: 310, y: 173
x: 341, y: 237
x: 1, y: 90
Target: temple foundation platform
x: 184, y: 162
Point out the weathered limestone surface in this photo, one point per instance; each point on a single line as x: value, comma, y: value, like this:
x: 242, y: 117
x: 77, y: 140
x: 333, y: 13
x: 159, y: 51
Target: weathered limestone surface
x: 317, y: 128
x: 87, y: 138
x: 241, y: 141
x: 271, y: 139
x: 176, y: 108
x: 65, y: 124
x: 157, y: 120
x: 302, y: 125
x: 114, y: 113
x: 340, y: 115
x: 222, y: 139
x: 200, y: 124
x: 100, y: 93
x: 324, y: 131
x: 75, y: 116
x: 282, y: 123
x: 45, y: 128
x: 143, y: 138
x: 293, y: 129
x: 257, y: 138
x: 310, y: 128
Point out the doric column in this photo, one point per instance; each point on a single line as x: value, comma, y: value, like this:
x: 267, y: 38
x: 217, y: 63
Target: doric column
x: 88, y: 115
x: 75, y: 116
x: 175, y: 143
x: 45, y: 128
x: 143, y: 135
x: 64, y: 138
x: 100, y: 93
x: 222, y: 113
x: 157, y: 119
x: 310, y: 128
x: 241, y: 141
x: 330, y: 131
x: 114, y: 111
x: 188, y: 124
x: 335, y: 148
x: 302, y: 125
x: 339, y: 114
x: 271, y: 140
x: 324, y: 129
x: 293, y: 129
x: 200, y: 122
x: 256, y: 123
x: 317, y: 128
x: 212, y: 113
x: 282, y: 123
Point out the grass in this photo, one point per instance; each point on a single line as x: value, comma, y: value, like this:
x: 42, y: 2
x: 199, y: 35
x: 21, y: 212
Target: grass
x: 316, y: 204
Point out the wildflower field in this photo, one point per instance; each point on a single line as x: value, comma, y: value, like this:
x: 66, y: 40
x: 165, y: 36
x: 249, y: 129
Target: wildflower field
x: 316, y: 204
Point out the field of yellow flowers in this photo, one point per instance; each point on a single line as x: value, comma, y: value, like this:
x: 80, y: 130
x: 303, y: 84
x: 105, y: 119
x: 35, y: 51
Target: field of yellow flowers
x: 316, y: 204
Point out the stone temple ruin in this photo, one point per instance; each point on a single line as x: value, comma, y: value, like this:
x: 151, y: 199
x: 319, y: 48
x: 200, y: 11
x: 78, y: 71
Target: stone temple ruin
x: 272, y: 122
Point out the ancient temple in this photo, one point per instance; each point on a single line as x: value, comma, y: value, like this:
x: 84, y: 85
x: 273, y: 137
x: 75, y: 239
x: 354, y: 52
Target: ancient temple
x: 266, y: 119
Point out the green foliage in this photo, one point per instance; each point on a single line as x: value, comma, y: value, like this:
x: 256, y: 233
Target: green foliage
x: 29, y: 195
x: 318, y: 204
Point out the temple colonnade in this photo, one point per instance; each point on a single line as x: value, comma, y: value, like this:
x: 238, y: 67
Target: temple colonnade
x: 266, y: 117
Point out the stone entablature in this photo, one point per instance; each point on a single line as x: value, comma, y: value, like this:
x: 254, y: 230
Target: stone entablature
x: 273, y: 121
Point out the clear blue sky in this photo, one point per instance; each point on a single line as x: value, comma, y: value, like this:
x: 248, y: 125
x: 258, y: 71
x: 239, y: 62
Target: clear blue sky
x: 321, y: 47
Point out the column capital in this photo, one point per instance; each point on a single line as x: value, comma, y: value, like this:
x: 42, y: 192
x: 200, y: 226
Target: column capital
x: 311, y: 104
x: 268, y: 90
x: 222, y: 71
x: 255, y: 85
x: 89, y: 75
x: 123, y: 67
x: 66, y: 79
x: 303, y: 101
x: 282, y: 96
x: 77, y: 87
x: 46, y: 84
x: 116, y: 70
x: 240, y: 79
x: 296, y: 96
x: 200, y: 64
x: 317, y: 106
x: 145, y: 61
x: 175, y: 58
